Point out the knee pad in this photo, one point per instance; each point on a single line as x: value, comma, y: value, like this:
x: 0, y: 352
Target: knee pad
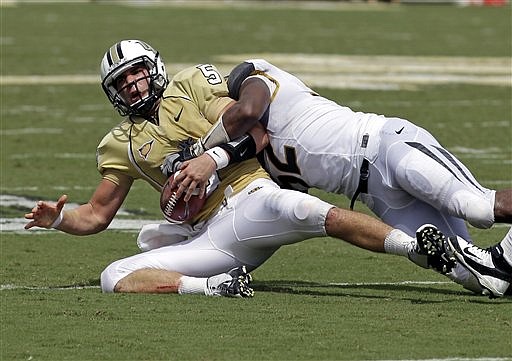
x: 443, y: 191
x: 301, y: 208
x: 477, y: 210
x: 311, y: 210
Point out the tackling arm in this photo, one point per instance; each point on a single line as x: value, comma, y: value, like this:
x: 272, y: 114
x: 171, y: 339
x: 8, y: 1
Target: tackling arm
x: 252, y: 100
x: 249, y: 108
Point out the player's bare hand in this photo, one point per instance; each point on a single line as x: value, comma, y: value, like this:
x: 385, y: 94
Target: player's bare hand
x: 194, y: 174
x: 45, y: 213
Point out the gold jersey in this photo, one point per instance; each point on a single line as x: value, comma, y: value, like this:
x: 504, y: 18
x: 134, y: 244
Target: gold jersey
x: 136, y: 148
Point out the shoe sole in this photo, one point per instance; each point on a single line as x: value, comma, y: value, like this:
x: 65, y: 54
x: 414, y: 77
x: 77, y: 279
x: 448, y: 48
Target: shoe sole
x: 433, y: 243
x: 244, y: 279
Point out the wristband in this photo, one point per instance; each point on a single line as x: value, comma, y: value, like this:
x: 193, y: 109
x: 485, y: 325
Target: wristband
x: 57, y: 220
x: 220, y: 156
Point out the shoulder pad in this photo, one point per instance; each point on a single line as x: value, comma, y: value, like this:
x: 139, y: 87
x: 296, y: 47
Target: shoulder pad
x: 237, y: 76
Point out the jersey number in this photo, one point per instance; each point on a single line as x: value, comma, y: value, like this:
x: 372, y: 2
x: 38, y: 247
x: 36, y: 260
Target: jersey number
x: 291, y: 180
x: 212, y: 76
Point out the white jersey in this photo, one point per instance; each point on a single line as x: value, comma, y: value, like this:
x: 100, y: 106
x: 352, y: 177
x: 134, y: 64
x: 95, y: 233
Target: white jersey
x: 314, y: 142
x: 413, y: 180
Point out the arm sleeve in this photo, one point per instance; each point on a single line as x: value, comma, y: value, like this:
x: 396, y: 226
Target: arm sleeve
x: 240, y: 149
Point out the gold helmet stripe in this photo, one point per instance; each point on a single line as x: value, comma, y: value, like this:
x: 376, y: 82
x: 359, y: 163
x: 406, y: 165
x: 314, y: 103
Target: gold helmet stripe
x: 115, y: 54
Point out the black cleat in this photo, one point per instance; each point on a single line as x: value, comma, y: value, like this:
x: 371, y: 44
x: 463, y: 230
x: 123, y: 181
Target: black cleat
x: 433, y: 244
x: 235, y: 283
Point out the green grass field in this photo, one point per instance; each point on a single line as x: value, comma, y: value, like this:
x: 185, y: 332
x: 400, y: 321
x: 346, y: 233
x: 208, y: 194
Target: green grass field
x: 321, y: 299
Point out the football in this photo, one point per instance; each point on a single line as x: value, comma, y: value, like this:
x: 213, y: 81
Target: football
x: 177, y: 210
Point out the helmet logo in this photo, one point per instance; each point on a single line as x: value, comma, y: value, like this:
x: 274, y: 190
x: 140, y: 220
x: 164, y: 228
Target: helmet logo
x: 115, y: 54
x: 145, y: 46
x: 145, y: 149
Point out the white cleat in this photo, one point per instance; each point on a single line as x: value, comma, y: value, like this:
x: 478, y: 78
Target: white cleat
x: 235, y: 283
x: 488, y: 265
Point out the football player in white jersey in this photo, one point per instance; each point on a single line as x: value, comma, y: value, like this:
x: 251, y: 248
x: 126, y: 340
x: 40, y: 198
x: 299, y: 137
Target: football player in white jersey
x: 399, y: 170
x: 244, y: 220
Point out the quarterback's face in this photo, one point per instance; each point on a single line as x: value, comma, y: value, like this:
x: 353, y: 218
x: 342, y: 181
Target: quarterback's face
x: 133, y: 84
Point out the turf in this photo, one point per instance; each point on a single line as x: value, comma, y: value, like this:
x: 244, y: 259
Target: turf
x: 318, y: 300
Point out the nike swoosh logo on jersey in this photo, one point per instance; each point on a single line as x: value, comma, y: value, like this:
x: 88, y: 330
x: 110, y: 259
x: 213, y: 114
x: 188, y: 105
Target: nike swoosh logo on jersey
x: 399, y: 131
x: 177, y: 117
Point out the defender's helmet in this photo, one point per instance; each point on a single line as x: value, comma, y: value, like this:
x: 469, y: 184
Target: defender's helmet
x: 121, y: 57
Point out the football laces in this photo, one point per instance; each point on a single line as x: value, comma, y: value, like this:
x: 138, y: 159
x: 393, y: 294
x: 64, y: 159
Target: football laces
x: 171, y: 203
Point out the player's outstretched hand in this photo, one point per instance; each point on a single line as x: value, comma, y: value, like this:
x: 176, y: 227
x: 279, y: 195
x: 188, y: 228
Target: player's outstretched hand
x: 45, y: 213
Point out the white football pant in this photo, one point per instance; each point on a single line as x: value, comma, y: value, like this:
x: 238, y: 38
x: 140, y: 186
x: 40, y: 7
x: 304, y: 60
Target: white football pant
x: 247, y: 230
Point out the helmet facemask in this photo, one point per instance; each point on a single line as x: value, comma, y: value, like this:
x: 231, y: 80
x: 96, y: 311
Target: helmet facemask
x: 134, y: 54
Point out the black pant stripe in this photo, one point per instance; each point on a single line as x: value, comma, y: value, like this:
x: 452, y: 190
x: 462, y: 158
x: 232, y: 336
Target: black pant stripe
x: 427, y: 152
x: 454, y: 162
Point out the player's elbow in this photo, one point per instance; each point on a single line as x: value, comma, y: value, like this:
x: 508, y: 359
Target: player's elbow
x: 240, y: 118
x: 96, y: 222
x: 90, y: 229
x: 251, y: 112
x: 101, y: 224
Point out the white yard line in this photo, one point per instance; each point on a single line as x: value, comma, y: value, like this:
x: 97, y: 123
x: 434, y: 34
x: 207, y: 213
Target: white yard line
x: 7, y: 287
x: 134, y: 225
x: 342, y: 71
x: 17, y: 224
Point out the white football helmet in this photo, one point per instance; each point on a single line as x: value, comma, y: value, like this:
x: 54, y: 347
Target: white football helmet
x: 118, y: 59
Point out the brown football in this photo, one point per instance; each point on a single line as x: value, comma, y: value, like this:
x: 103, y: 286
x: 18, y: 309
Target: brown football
x: 177, y: 210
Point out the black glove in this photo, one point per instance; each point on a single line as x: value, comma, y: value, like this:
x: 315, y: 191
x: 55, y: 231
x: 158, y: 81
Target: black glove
x: 172, y: 163
x: 194, y: 150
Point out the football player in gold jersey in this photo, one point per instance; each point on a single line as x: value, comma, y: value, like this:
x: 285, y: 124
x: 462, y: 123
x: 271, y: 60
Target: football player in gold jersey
x: 245, y: 219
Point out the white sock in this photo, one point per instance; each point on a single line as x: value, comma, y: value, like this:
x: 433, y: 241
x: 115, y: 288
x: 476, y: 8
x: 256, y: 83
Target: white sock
x: 192, y: 285
x: 398, y: 242
x: 506, y: 243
